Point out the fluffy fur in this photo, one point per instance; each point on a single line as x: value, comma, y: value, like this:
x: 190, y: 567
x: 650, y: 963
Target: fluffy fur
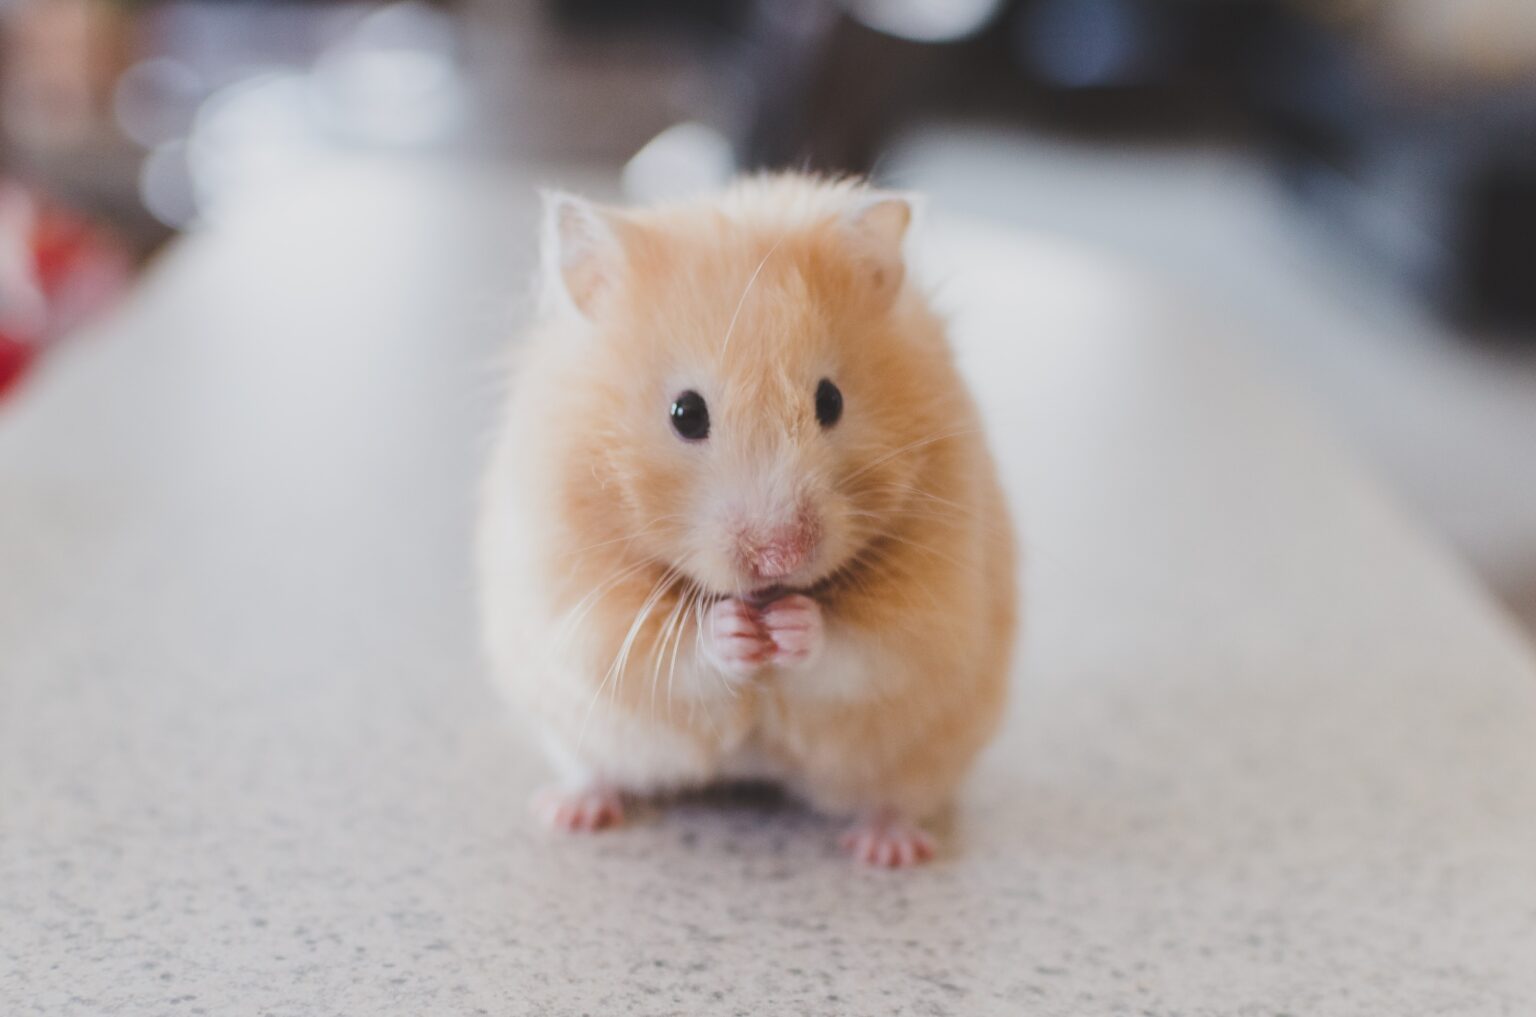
x: 611, y: 552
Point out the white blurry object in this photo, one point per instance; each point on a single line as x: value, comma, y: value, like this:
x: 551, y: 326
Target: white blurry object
x: 925, y: 20
x: 682, y: 160
x: 390, y: 81
x: 252, y: 137
x: 166, y: 187
x: 393, y: 80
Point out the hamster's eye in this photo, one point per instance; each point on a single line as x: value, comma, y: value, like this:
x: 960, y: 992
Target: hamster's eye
x: 690, y: 417
x: 829, y: 403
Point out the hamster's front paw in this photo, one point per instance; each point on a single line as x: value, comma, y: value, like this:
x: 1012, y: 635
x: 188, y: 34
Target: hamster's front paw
x: 794, y: 626
x: 734, y: 640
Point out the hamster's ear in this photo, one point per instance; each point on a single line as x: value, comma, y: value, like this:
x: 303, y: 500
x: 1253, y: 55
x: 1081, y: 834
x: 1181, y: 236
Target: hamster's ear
x: 878, y: 224
x: 582, y: 254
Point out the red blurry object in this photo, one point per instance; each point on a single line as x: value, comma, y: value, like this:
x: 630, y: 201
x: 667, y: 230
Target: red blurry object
x: 56, y: 270
x: 14, y: 358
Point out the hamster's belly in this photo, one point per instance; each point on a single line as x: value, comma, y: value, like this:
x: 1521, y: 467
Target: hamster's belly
x: 749, y: 761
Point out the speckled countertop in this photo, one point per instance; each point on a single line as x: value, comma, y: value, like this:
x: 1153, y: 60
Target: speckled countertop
x: 1271, y: 751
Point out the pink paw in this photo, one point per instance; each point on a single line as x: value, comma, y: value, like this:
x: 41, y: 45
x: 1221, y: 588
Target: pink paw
x: 890, y: 843
x: 793, y: 624
x: 584, y: 810
x: 734, y: 640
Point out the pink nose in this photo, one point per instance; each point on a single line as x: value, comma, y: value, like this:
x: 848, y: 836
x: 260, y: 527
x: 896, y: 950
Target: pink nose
x: 776, y: 553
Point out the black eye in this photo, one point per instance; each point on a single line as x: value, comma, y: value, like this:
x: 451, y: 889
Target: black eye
x: 829, y: 403
x: 690, y: 417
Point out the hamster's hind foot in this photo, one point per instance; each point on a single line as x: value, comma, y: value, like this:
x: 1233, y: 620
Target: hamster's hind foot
x: 583, y: 810
x: 888, y: 842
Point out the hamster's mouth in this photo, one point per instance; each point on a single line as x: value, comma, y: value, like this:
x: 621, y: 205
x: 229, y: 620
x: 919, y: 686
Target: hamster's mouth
x: 761, y: 596
x: 814, y: 587
x: 758, y: 597
x: 764, y: 595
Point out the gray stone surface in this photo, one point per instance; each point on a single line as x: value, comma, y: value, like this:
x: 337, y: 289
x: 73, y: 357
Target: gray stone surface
x: 1271, y: 751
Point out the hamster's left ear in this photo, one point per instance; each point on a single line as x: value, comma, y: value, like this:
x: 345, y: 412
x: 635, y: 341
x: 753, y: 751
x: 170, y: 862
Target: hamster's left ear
x: 581, y: 250
x: 878, y: 225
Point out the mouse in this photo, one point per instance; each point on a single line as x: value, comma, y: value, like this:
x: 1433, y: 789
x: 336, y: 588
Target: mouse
x: 739, y: 519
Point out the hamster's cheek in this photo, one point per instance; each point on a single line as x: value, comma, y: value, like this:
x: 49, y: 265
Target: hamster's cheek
x: 659, y: 482
x: 705, y: 555
x: 843, y: 530
x: 678, y: 518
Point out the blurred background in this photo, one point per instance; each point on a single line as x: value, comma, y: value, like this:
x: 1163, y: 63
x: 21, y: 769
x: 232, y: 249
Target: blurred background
x: 1350, y: 184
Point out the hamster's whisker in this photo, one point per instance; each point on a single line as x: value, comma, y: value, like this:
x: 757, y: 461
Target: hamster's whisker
x: 888, y: 536
x: 910, y: 446
x: 676, y: 621
x: 877, y: 556
x: 621, y: 659
x: 918, y: 492
x: 698, y: 637
x: 627, y: 538
x: 928, y: 549
x: 880, y: 562
x: 951, y: 510
x: 657, y: 652
x: 660, y: 648
x: 584, y: 607
x: 751, y: 281
x: 658, y: 591
x: 684, y: 604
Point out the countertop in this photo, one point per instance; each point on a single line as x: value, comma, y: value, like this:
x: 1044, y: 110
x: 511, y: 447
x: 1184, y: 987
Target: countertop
x: 1271, y: 749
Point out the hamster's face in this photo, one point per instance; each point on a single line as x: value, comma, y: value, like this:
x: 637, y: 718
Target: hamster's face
x: 752, y: 406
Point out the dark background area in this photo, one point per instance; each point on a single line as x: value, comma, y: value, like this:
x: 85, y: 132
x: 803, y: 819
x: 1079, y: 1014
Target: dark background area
x: 1423, y: 158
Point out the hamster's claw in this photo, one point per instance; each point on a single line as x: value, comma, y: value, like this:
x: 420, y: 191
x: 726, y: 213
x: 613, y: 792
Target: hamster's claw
x: 734, y: 640
x: 888, y: 843
x: 585, y: 810
x: 794, y: 625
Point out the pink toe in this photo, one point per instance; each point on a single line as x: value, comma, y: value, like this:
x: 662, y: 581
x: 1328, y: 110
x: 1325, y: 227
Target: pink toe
x: 888, y: 844
x: 582, y: 810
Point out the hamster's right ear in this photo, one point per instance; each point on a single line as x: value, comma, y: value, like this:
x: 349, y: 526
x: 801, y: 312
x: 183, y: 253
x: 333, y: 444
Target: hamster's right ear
x: 877, y: 225
x: 582, y: 254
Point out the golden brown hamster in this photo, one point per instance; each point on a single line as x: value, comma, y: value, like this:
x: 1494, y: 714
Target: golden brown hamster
x: 740, y: 519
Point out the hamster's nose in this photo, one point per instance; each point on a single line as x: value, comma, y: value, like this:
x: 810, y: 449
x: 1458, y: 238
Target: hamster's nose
x: 776, y: 552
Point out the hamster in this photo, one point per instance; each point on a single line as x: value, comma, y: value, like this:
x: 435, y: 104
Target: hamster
x: 740, y: 519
